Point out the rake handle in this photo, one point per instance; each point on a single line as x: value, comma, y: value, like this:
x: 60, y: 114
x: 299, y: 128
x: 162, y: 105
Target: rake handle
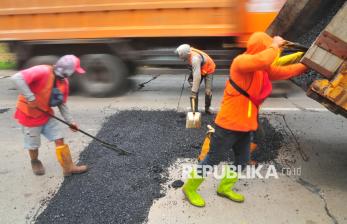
x: 108, y: 145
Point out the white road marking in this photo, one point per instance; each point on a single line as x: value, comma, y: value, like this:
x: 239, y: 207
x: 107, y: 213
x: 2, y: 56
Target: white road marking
x: 317, y: 109
x: 281, y: 109
x: 292, y: 109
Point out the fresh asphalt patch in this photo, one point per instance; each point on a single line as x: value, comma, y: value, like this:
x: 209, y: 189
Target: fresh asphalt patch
x: 121, y: 189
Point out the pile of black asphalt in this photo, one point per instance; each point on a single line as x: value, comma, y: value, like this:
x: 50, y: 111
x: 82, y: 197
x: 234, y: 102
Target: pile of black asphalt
x: 304, y: 81
x: 121, y: 189
x: 268, y: 141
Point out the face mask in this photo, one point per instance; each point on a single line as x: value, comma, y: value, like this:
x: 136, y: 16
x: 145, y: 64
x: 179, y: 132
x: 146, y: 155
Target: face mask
x: 61, y: 73
x: 67, y: 74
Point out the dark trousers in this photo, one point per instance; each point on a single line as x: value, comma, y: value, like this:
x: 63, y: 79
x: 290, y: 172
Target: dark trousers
x: 222, y: 141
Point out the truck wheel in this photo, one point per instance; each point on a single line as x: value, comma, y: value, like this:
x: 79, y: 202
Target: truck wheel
x: 41, y: 60
x: 105, y: 74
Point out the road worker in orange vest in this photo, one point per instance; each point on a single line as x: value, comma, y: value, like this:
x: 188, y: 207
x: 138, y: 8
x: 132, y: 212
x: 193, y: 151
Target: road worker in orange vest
x: 42, y: 87
x: 202, y: 67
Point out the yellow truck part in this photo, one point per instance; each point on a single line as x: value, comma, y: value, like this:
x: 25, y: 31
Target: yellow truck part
x: 332, y: 93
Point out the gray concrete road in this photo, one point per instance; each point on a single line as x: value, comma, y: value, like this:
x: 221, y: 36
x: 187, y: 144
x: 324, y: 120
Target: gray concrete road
x: 317, y: 196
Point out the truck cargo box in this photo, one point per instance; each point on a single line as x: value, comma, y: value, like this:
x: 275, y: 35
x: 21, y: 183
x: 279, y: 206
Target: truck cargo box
x: 41, y: 19
x: 327, y: 56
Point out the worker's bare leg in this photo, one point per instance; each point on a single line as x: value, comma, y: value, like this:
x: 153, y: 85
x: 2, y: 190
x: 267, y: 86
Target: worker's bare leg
x: 34, y: 154
x: 59, y: 142
x: 32, y: 142
x: 36, y: 164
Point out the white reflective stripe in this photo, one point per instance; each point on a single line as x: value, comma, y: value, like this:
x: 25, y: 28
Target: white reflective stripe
x: 279, y: 109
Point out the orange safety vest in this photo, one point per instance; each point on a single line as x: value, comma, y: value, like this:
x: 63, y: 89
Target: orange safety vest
x: 42, y: 99
x: 208, y: 66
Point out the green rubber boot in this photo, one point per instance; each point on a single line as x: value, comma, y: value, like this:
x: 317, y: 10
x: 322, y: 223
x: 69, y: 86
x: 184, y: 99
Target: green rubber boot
x: 226, y: 185
x: 190, y: 187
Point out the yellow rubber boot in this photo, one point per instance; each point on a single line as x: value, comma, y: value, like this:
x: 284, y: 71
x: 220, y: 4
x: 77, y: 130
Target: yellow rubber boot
x: 226, y: 185
x: 190, y: 190
x: 65, y: 160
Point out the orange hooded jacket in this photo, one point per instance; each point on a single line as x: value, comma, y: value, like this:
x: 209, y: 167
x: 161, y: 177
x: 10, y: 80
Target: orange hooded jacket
x: 247, y: 70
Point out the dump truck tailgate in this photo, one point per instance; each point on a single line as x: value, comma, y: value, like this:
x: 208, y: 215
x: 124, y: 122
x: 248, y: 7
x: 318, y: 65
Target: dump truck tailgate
x: 327, y: 56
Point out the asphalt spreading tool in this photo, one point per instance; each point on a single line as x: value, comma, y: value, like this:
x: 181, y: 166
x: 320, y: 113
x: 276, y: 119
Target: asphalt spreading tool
x: 103, y: 143
x: 193, y: 117
x: 182, y: 88
x: 141, y: 85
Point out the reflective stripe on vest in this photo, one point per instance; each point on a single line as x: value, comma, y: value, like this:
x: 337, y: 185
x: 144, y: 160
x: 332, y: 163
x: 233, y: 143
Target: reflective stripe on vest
x: 208, y: 67
x: 42, y: 99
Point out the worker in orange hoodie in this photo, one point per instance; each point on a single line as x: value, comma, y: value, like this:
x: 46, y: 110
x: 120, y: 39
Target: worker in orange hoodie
x: 248, y: 86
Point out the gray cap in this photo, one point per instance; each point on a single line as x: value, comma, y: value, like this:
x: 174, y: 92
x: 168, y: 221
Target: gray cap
x: 67, y: 65
x: 183, y: 51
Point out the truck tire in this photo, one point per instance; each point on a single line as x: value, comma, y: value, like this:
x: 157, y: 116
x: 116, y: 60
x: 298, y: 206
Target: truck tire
x: 41, y: 60
x: 105, y: 75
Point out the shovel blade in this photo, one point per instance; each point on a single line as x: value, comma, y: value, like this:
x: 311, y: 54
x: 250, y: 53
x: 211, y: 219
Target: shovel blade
x: 193, y: 120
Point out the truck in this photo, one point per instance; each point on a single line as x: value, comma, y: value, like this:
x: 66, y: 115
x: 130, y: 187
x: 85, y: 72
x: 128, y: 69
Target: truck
x: 114, y: 38
x: 327, y: 54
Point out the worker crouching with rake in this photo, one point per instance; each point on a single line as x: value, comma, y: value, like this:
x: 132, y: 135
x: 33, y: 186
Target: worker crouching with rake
x: 42, y: 87
x: 248, y: 86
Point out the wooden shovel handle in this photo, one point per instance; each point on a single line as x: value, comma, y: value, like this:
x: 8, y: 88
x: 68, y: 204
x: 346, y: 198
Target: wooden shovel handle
x: 193, y: 104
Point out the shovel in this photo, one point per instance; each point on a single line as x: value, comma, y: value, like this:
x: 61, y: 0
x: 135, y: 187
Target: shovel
x: 193, y: 118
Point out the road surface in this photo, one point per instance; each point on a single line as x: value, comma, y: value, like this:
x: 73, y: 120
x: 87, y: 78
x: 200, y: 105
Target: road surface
x: 318, y: 195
